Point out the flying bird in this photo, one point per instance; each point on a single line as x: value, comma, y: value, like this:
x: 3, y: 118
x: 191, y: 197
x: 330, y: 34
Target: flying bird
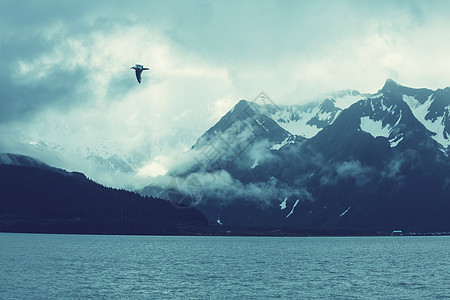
x: 139, y: 69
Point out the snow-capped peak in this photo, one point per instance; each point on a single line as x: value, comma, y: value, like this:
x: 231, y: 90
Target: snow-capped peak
x: 343, y: 99
x: 305, y: 120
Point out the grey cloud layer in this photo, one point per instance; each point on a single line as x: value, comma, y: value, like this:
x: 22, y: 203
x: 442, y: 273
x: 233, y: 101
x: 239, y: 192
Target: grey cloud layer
x: 70, y: 60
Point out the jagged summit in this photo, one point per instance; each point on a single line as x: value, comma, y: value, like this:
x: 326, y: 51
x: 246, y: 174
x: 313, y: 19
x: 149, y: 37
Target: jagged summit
x: 390, y: 83
x: 246, y: 121
x: 390, y: 80
x: 243, y: 107
x: 390, y: 86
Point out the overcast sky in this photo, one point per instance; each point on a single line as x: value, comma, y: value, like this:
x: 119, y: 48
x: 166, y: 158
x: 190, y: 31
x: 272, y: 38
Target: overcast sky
x: 66, y: 75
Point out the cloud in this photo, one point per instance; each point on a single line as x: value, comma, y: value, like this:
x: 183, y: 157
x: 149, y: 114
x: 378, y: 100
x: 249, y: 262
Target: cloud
x: 392, y: 170
x: 82, y: 96
x: 347, y: 170
x: 220, y: 187
x: 192, y: 177
x: 401, y: 163
x: 66, y: 80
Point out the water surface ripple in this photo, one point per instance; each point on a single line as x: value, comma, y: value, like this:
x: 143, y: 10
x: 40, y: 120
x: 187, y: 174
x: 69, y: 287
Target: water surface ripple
x: 38, y: 266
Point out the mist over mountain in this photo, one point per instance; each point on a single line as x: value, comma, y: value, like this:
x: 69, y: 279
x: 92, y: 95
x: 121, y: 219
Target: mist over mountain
x: 381, y: 163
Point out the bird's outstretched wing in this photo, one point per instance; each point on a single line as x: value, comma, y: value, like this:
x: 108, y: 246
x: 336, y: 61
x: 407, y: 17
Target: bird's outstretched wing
x: 138, y: 75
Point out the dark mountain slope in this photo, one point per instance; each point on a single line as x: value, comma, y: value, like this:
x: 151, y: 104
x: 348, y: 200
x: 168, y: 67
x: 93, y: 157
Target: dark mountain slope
x: 40, y: 200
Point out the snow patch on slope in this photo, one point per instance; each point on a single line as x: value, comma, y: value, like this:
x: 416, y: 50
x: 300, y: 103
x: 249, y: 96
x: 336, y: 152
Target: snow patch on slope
x: 436, y: 126
x: 293, y: 207
x: 395, y: 141
x: 346, y: 211
x: 286, y: 141
x: 255, y: 164
x: 375, y: 128
x: 298, y: 125
x: 347, y: 100
x: 283, y: 204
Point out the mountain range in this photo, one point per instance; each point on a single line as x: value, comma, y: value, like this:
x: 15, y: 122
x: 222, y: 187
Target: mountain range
x: 381, y: 163
x: 350, y: 161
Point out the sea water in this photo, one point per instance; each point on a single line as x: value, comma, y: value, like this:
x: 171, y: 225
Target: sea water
x: 41, y: 266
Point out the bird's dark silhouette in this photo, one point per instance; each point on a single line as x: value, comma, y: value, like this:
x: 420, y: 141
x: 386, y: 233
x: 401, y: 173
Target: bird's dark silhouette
x: 138, y: 69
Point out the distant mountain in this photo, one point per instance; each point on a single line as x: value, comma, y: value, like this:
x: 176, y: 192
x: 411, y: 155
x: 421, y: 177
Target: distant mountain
x: 105, y: 161
x: 27, y: 161
x: 39, y: 198
x: 111, y: 164
x: 381, y: 163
